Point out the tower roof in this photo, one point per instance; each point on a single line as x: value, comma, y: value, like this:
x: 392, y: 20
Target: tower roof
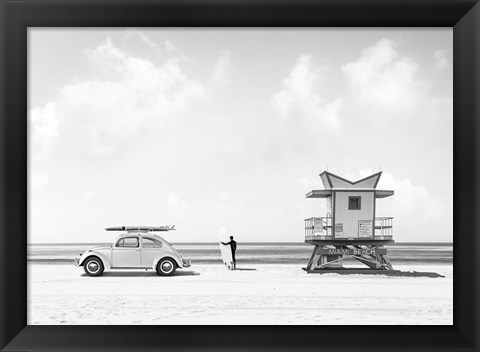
x: 332, y: 181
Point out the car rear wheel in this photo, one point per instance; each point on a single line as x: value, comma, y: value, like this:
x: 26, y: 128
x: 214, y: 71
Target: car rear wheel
x: 166, y: 267
x: 93, y: 267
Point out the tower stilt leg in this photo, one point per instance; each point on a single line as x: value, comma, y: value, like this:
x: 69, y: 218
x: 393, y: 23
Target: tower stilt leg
x: 310, y: 263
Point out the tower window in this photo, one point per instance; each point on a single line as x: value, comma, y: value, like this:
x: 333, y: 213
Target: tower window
x: 354, y: 203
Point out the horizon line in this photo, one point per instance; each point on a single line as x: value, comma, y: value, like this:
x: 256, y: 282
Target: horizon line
x: 216, y: 242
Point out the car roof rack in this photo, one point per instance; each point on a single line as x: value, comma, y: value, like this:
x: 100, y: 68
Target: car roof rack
x: 141, y: 228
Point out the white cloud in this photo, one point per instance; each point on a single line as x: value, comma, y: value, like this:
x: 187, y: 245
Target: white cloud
x: 137, y: 34
x: 441, y: 60
x: 382, y: 78
x: 223, y: 197
x: 410, y: 201
x: 418, y: 214
x: 129, y: 93
x: 44, y: 130
x: 88, y: 194
x: 299, y: 96
x: 243, y: 201
x: 222, y: 68
x: 108, y: 57
x: 169, y: 47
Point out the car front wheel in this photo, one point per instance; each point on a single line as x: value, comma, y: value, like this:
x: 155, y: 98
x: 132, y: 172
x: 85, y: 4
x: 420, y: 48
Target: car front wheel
x: 166, y: 267
x: 93, y: 267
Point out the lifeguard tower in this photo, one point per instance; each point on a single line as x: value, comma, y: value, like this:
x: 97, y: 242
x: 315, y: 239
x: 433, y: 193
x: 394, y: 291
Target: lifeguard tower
x: 350, y: 229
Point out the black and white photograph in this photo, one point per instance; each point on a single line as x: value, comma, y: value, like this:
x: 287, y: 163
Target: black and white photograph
x: 240, y: 176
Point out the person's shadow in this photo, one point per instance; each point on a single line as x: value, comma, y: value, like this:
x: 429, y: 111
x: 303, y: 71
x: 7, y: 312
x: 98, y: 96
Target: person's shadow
x: 245, y: 269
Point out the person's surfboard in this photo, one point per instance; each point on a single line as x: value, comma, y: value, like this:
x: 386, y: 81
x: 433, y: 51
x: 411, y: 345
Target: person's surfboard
x: 225, y: 250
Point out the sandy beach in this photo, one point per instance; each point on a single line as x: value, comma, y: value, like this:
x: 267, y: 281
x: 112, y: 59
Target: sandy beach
x: 256, y: 294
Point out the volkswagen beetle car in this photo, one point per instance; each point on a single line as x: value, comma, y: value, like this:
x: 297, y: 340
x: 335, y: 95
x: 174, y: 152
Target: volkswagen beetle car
x: 136, y: 248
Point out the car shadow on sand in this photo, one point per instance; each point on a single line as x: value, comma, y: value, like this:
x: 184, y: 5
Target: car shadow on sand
x: 149, y: 273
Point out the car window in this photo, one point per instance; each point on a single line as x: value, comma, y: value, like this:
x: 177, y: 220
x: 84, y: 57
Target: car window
x: 150, y: 243
x: 129, y: 242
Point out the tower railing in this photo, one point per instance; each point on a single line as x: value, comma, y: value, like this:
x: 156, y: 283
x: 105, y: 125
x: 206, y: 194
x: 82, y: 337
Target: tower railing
x: 384, y: 227
x: 318, y: 228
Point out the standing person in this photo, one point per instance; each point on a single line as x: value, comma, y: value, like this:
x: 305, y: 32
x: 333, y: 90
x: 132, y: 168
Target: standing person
x: 233, y: 247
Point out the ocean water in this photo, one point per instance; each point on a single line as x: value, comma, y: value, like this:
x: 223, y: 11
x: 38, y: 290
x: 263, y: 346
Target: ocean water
x: 252, y: 253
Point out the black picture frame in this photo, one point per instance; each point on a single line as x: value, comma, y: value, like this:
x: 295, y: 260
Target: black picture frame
x: 18, y: 15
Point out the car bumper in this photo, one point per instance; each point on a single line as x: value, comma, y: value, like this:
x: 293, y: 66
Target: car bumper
x: 186, y: 263
x: 76, y: 261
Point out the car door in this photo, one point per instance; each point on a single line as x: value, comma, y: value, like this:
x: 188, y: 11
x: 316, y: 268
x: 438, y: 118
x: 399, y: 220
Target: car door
x: 126, y: 253
x: 150, y: 249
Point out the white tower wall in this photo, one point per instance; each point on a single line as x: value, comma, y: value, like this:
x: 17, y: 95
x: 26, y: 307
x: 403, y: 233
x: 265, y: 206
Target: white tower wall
x: 349, y: 219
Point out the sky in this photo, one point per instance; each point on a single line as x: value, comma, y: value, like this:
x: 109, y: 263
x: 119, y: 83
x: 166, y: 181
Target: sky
x: 212, y: 128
